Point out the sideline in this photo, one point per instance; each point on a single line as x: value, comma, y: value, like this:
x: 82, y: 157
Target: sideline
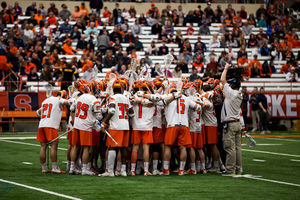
x: 273, y: 181
x: 30, y: 144
x: 40, y: 190
x: 24, y: 138
x: 267, y: 152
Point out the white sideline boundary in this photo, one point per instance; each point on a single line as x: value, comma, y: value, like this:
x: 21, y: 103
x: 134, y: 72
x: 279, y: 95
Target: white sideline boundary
x: 289, y: 140
x: 40, y: 190
x: 273, y: 181
x: 273, y: 153
x: 30, y: 144
x: 23, y: 138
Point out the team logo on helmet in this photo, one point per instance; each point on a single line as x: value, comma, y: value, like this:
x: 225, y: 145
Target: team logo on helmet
x: 85, y: 88
x: 63, y: 94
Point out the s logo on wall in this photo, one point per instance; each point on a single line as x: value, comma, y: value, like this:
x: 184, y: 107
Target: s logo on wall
x: 23, y: 101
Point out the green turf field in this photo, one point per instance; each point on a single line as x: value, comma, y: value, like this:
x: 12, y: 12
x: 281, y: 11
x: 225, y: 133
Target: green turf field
x: 273, y: 164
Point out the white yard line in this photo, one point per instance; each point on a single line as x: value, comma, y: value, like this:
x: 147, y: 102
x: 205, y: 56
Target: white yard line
x: 264, y: 144
x: 23, y: 138
x: 273, y: 181
x: 257, y: 160
x: 40, y: 190
x: 282, y: 139
x: 295, y: 160
x: 27, y: 163
x: 267, y: 152
x: 29, y: 144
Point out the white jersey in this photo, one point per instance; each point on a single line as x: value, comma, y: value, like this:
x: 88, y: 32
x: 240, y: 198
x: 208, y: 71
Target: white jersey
x: 178, y: 107
x: 143, y: 119
x: 119, y: 120
x: 209, y: 114
x: 51, y: 112
x: 195, y: 120
x: 127, y: 94
x: 85, y: 114
x: 158, y: 117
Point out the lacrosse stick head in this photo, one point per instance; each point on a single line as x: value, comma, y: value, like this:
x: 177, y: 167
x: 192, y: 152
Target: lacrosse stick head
x: 48, y: 88
x: 133, y: 64
x: 96, y: 72
x: 250, y: 140
x: 71, y: 90
x: 158, y: 70
x: 168, y: 60
x: 179, y: 85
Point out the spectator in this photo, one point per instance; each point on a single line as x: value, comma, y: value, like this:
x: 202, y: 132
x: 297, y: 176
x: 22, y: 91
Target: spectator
x: 186, y: 56
x: 64, y: 13
x: 241, y: 61
x: 67, y: 47
x: 214, y: 42
x: 18, y: 9
x: 96, y: 5
x: 261, y: 32
x: 75, y: 35
x: 156, y: 29
x: 112, y: 71
x: 223, y: 29
x: 31, y: 9
x: 125, y: 59
x: 286, y: 67
x: 125, y: 27
x: 181, y: 20
x: 213, y: 64
x: 177, y: 71
x: 32, y: 76
x: 209, y: 73
x: 244, y: 106
x: 148, y: 60
x: 296, y: 42
x: 138, y: 45
x: 263, y: 112
x: 229, y: 10
x: 163, y: 50
x: 262, y: 22
x: 153, y: 49
x: 52, y: 9
x: 264, y: 50
x: 67, y: 75
x: 180, y: 10
x: 56, y: 46
x: 119, y: 19
x: 129, y: 37
x: 198, y: 65
x: 276, y: 54
x: 211, y: 53
x: 151, y: 19
x: 187, y: 45
x: 292, y: 75
x: 115, y: 34
x: 261, y: 11
x: 204, y: 29
x: 225, y: 59
x: 66, y: 26
x: 125, y: 14
x: 255, y: 61
x: 228, y: 20
x: 194, y: 75
x: 109, y: 60
x: 237, y: 19
x: 290, y: 24
x: 272, y: 66
x: 190, y: 30
x: 243, y: 13
x: 136, y: 28
x: 89, y: 74
x: 169, y: 28
x: 246, y: 29
x: 271, y: 26
x: 251, y: 20
x: 216, y: 17
x: 116, y: 10
x: 265, y: 70
x: 288, y: 54
x: 46, y: 74
x: 76, y: 14
x: 93, y: 29
x: 199, y: 45
x: 255, y: 71
x: 254, y: 109
x: 247, y: 72
x: 122, y: 70
x: 230, y: 42
x: 289, y: 36
x: 204, y: 19
x: 152, y: 10
x: 143, y: 20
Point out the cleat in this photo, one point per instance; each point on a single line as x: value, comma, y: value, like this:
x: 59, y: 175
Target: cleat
x: 208, y: 165
x: 164, y: 172
x: 253, y: 130
x: 203, y: 171
x: 87, y: 173
x: 147, y: 173
x: 181, y: 172
x: 268, y: 132
x: 138, y: 171
x: 78, y: 171
x: 44, y: 171
x: 155, y: 172
x: 214, y: 169
x: 190, y: 171
x: 94, y: 171
x: 132, y: 173
x: 227, y: 174
x: 262, y: 132
x: 57, y: 171
x: 108, y: 174
x: 73, y: 172
x: 117, y: 173
x: 123, y: 173
x: 175, y: 170
x: 222, y: 168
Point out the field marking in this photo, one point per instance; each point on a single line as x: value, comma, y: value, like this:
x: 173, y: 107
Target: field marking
x: 27, y: 163
x: 295, y: 160
x: 257, y: 160
x: 273, y: 181
x: 23, y: 138
x: 264, y: 144
x: 290, y: 140
x: 274, y: 136
x: 40, y: 190
x: 30, y: 144
x: 267, y: 152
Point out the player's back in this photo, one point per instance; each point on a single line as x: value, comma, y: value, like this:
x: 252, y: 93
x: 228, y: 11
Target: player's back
x: 84, y: 116
x: 157, y: 116
x: 119, y: 120
x: 178, y: 107
x: 143, y: 119
x: 51, y: 112
x: 209, y: 114
x: 194, y: 119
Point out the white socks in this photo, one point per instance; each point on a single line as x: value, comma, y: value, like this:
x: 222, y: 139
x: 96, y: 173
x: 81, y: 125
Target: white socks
x: 123, y: 168
x: 43, y: 165
x: 72, y: 166
x: 111, y: 160
x: 182, y: 165
x: 84, y: 167
x: 198, y: 165
x: 146, y: 165
x: 106, y: 164
x: 193, y: 166
x: 166, y: 165
x: 133, y: 167
x: 119, y: 164
x: 155, y: 162
x: 54, y: 165
x: 89, y: 165
x: 216, y: 164
x: 220, y: 161
x: 202, y: 166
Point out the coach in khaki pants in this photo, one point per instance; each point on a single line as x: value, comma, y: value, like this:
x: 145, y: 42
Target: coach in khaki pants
x: 230, y: 116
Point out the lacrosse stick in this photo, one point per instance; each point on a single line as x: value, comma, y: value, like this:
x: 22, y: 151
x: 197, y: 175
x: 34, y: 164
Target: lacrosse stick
x: 96, y: 72
x: 71, y: 90
x: 158, y: 70
x: 168, y: 60
x: 105, y: 131
x: 48, y: 88
x: 133, y: 64
x: 48, y: 154
x: 179, y: 87
x: 250, y: 140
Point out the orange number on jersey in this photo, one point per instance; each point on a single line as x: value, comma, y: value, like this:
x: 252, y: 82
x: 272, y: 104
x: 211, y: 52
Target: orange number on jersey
x: 155, y: 113
x: 199, y: 114
x: 140, y: 110
x: 214, y: 111
x: 124, y: 108
x: 48, y: 108
x: 82, y: 107
x: 180, y: 105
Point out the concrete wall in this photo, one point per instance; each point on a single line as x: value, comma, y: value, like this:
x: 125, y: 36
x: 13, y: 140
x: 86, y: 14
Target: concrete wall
x: 140, y: 7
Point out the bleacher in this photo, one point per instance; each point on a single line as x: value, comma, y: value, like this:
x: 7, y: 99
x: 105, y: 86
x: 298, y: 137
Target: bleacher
x: 146, y: 39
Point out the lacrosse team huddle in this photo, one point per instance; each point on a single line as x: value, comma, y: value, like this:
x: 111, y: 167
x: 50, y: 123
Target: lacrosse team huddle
x: 137, y: 124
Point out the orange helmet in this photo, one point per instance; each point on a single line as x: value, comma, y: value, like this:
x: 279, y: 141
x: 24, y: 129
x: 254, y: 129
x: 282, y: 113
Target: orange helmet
x: 184, y: 80
x: 85, y: 88
x: 157, y: 83
x: 125, y: 82
x: 147, y: 84
x: 117, y: 84
x: 197, y: 84
x: 63, y: 94
x: 187, y: 85
x: 218, y: 90
x: 137, y: 84
x: 173, y: 88
x: 216, y: 82
x: 210, y: 81
x: 94, y: 86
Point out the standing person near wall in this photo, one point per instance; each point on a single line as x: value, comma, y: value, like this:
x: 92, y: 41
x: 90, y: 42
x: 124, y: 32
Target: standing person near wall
x: 254, y: 109
x: 264, y: 112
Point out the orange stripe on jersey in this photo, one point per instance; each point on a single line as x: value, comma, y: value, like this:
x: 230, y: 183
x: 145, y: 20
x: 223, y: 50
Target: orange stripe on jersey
x: 96, y: 102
